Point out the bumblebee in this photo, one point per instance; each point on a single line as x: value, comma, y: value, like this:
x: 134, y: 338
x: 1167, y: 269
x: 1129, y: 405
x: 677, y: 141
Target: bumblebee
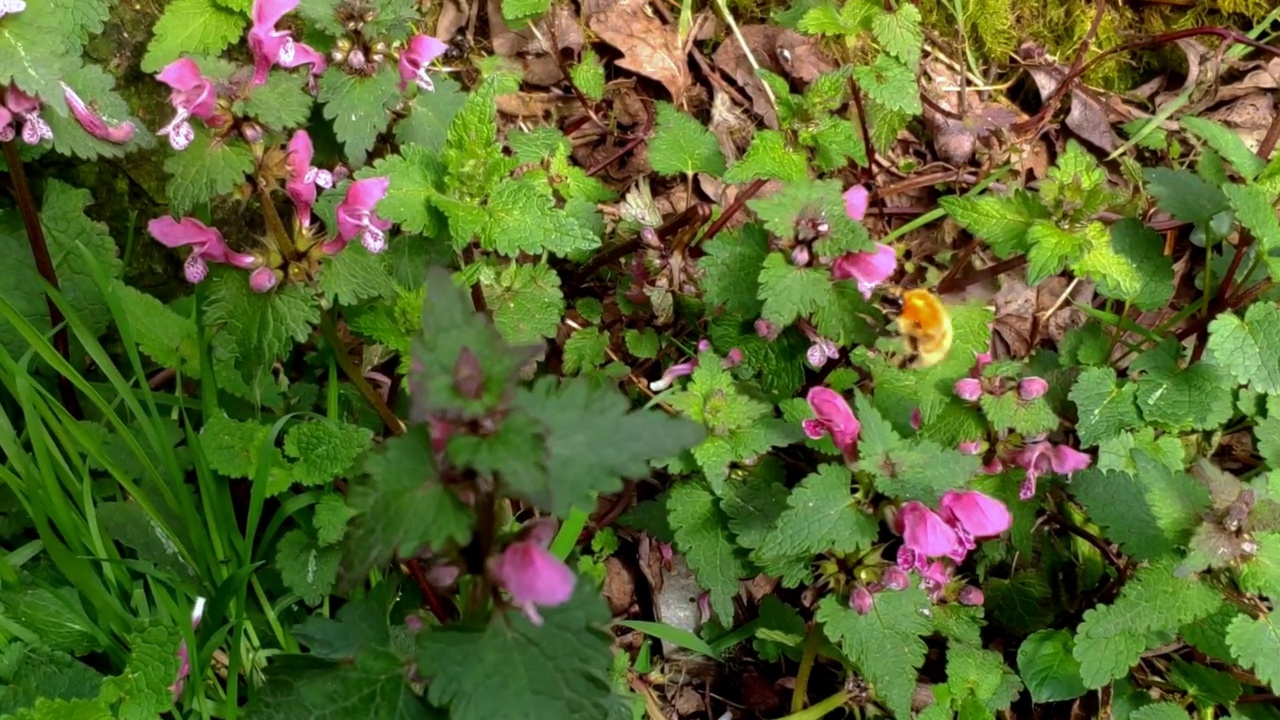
x: 923, y: 322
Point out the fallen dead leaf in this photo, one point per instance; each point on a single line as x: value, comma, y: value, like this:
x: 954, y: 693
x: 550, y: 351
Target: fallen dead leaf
x: 453, y: 17
x: 619, y: 585
x: 955, y: 139
x: 649, y: 47
x: 1087, y: 117
x: 536, y: 51
x: 781, y: 51
x: 1248, y: 116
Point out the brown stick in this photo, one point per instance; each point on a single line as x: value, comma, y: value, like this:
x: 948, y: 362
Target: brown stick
x: 44, y: 265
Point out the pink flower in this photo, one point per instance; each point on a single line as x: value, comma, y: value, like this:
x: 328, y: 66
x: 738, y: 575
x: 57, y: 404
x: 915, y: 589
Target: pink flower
x: 970, y: 447
x: 856, y: 200
x: 861, y: 600
x: 978, y: 514
x: 206, y: 244
x: 26, y: 107
x: 820, y: 352
x: 916, y: 420
x: 532, y: 575
x: 969, y: 389
x: 800, y: 256
x: 93, y: 122
x: 832, y: 415
x: 868, y: 268
x: 415, y: 58
x: 970, y: 595
x: 184, y: 667
x: 1066, y: 461
x: 356, y: 216
x: 276, y: 47
x: 192, y: 95
x: 924, y: 532
x: 732, y: 359
x: 8, y: 7
x: 678, y: 370
x: 1042, y: 457
x: 980, y: 361
x: 1031, y: 388
x: 303, y: 176
x: 767, y: 330
x: 934, y: 578
x: 263, y: 279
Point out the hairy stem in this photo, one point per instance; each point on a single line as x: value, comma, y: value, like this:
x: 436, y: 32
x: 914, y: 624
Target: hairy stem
x: 44, y: 265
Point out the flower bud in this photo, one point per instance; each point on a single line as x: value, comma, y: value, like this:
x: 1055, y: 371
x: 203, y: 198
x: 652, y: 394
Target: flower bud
x: 379, y: 47
x: 895, y: 578
x: 970, y: 595
x: 1032, y: 388
x: 916, y: 420
x: 263, y: 279
x: 251, y: 132
x: 468, y: 378
x: 356, y: 60
x: 733, y: 359
x: 969, y: 389
x: 800, y: 256
x: 767, y: 330
x: 971, y: 447
x: 861, y: 600
x: 338, y: 55
x: 704, y: 345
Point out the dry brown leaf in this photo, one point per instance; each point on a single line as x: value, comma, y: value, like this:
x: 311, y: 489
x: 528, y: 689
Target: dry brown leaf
x: 648, y: 46
x: 1248, y: 116
x: 1087, y: 117
x: 453, y: 17
x: 619, y: 585
x: 781, y: 51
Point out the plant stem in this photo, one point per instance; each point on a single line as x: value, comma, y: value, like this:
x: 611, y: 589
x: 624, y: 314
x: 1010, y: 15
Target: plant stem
x: 819, y: 711
x: 330, y: 330
x: 810, y: 654
x: 44, y: 264
x: 275, y: 227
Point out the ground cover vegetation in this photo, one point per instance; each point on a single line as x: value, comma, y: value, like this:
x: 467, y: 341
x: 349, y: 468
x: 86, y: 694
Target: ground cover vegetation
x: 556, y: 359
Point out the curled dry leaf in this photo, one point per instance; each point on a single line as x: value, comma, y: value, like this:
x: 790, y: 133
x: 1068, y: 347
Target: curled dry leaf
x: 1017, y: 307
x: 955, y: 139
x: 1087, y: 117
x: 781, y: 51
x: 539, y: 61
x: 649, y: 47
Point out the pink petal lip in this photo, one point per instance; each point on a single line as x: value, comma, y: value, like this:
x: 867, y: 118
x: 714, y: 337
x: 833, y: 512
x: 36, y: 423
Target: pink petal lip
x: 356, y: 209
x: 869, y: 269
x: 422, y: 50
x: 835, y: 414
x: 856, y: 200
x: 925, y: 531
x: 267, y: 13
x: 977, y: 513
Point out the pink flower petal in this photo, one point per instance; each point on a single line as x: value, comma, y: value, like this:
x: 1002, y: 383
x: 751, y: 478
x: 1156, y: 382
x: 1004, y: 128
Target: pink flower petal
x: 830, y: 408
x: 968, y: 389
x: 861, y: 600
x: 187, y: 231
x: 925, y: 532
x: 93, y: 122
x: 533, y: 576
x: 856, y: 200
x: 298, y: 161
x: 979, y: 514
x: 868, y: 268
x: 1032, y: 388
x: 1066, y: 461
x: 421, y: 51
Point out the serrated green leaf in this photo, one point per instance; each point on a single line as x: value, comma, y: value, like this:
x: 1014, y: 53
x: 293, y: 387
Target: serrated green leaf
x: 414, y: 173
x: 1205, y: 686
x: 585, y: 350
x: 981, y: 675
x: 162, y: 334
x: 353, y: 275
x: 359, y: 107
x: 681, y: 144
x: 1160, y: 711
x: 520, y: 10
x: 702, y: 536
x: 521, y: 217
x: 372, y: 687
x: 42, y: 674
x: 305, y: 567
x: 331, y: 518
x: 821, y: 516
x: 890, y: 83
x: 899, y: 34
x: 588, y: 76
x: 55, y: 616
x: 1053, y: 248
x: 1249, y: 348
x: 1196, y: 397
x: 37, y: 48
x: 769, y: 158
x: 1260, y: 574
x: 430, y: 114
x: 1255, y: 642
x: 526, y: 301
x: 835, y: 141
x: 142, y: 690
x: 1184, y: 194
x: 1103, y: 408
x: 199, y: 27
x: 731, y: 267
x: 553, y: 671
x: 1001, y: 221
x: 642, y: 343
x: 207, y: 168
x: 261, y: 327
x: 1008, y: 411
x: 885, y: 643
x: 281, y: 104
x: 791, y: 292
x: 324, y: 450
x: 1256, y: 211
x: 1227, y: 144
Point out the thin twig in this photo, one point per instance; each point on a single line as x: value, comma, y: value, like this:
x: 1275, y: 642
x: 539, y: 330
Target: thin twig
x: 1055, y: 98
x: 733, y: 208
x: 44, y: 265
x: 1115, y: 560
x: 640, y: 136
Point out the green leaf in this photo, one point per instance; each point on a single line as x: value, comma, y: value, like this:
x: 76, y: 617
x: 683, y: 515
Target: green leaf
x: 56, y: 616
x: 1053, y: 248
x: 427, y: 124
x: 1184, y: 194
x: 807, y: 204
x: 44, y: 674
x: 1255, y: 642
x: 305, y: 567
x: 1255, y: 209
x: 642, y: 343
x: 1133, y: 267
x: 207, y: 168
x: 281, y: 104
x: 1227, y: 144
x: 142, y: 690
x: 585, y: 350
x: 522, y: 218
x: 359, y: 107
x: 593, y: 440
x: 325, y: 450
x: 331, y: 518
x: 1160, y: 711
x: 835, y: 141
x: 822, y: 516
x: 1009, y: 411
x: 853, y: 18
x: 1103, y: 408
x: 791, y: 292
x: 519, y: 10
x: 681, y: 144
x: 702, y: 535
x: 769, y: 158
x: 899, y: 34
x: 981, y: 675
x: 162, y: 334
x: 403, y: 507
x: 355, y: 274
x: 1113, y: 637
x: 588, y: 76
x: 373, y: 687
x: 1261, y: 573
x: 890, y: 83
x: 1249, y: 348
x: 1002, y: 221
x: 1206, y: 687
x: 1196, y: 397
x: 414, y: 173
x: 550, y: 672
x: 1048, y: 668
x: 197, y: 27
x: 472, y: 154
x: 37, y: 47
x: 884, y: 644
x: 731, y: 268
x: 525, y: 300
x: 261, y: 327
